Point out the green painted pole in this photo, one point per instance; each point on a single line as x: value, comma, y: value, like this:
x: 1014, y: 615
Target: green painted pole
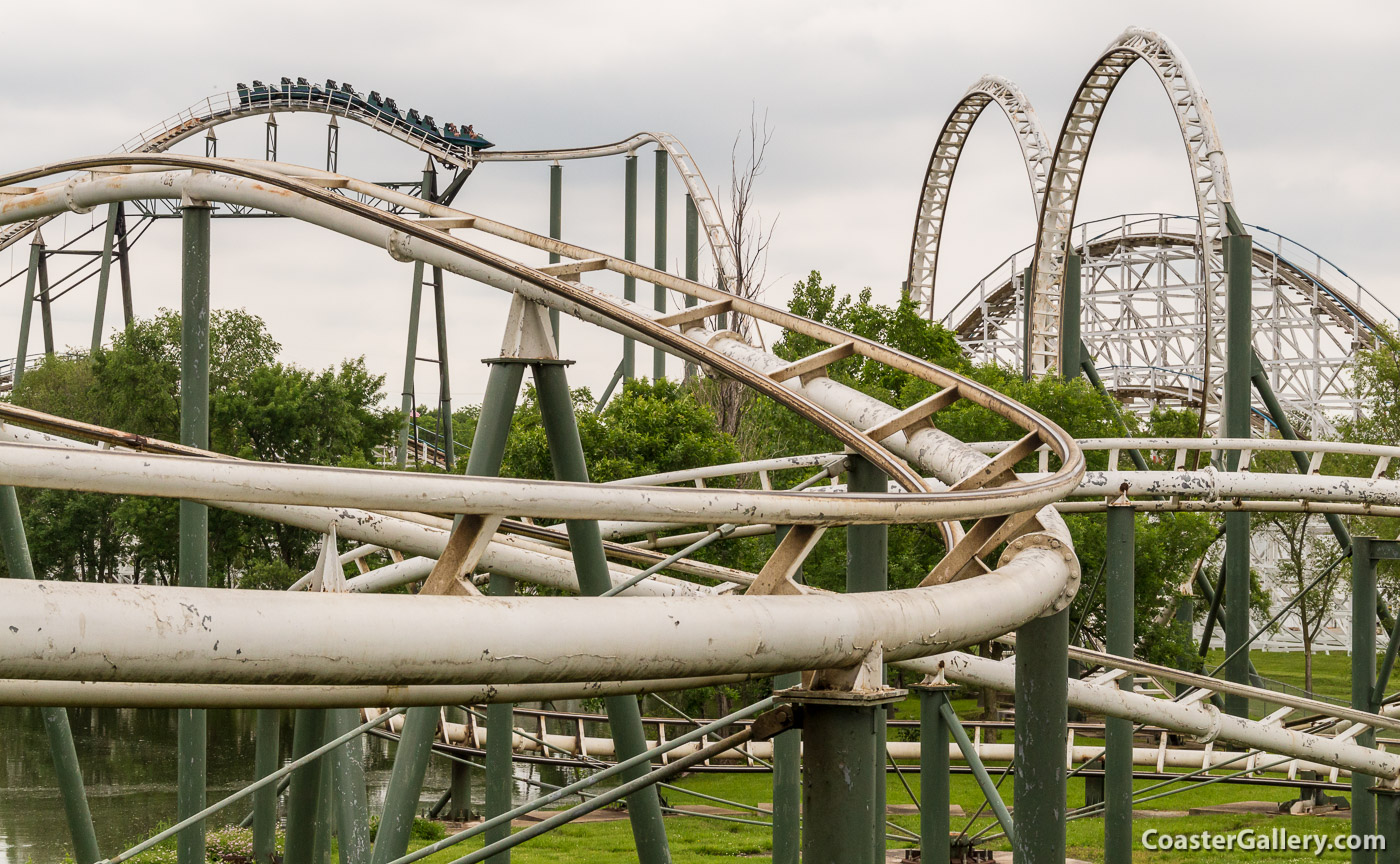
x: 405, y: 784
x: 1363, y: 679
x: 45, y: 304
x: 325, y: 805
x: 500, y: 735
x: 194, y: 517
x: 1118, y: 733
x: 487, y: 453
x: 415, y: 304
x: 266, y: 758
x: 692, y: 263
x: 1387, y: 805
x: 1026, y: 323
x: 459, y: 790
x: 352, y: 809
x: 787, y: 770
x: 1069, y: 319
x: 629, y: 251
x: 556, y: 231
x: 1041, y: 708
x: 935, y: 794
x: 1185, y: 614
x: 56, y: 726
x: 867, y: 569
x: 31, y: 281
x: 658, y: 369
x: 1239, y: 249
x: 304, y: 793
x: 839, y: 811
x: 449, y: 454
x: 104, y: 275
x: 124, y: 266
x: 586, y: 544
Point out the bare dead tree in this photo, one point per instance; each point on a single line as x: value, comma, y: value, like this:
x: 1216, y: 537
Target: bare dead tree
x: 750, y: 236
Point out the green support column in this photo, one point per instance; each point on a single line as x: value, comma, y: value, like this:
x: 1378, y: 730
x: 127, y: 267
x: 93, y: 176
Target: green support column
x: 31, y: 281
x: 1185, y: 615
x: 460, y: 787
x: 352, y: 809
x: 629, y: 251
x: 692, y: 259
x: 1118, y: 736
x: 1235, y: 423
x: 867, y: 569
x: 194, y: 517
x: 45, y: 304
x: 488, y: 451
x: 1363, y: 679
x: 405, y: 784
x: 1069, y: 319
x: 266, y: 758
x: 839, y: 812
x: 104, y: 275
x: 410, y: 361
x: 1026, y: 323
x: 935, y: 793
x: 124, y: 266
x: 787, y: 770
x: 556, y: 230
x: 586, y: 543
x: 1387, y: 805
x: 500, y: 735
x: 304, y: 792
x: 449, y: 454
x: 56, y: 726
x: 325, y: 805
x: 658, y: 369
x: 1041, y: 704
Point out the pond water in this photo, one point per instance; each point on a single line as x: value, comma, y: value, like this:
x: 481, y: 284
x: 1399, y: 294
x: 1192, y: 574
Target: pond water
x: 128, y: 761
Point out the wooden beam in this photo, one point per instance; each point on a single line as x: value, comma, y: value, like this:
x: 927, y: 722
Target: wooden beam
x: 813, y: 363
x: 914, y: 415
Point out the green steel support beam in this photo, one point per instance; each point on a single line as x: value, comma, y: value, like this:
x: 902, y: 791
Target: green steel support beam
x: 556, y: 231
x: 124, y: 266
x: 1118, y: 733
x: 194, y: 517
x: 1387, y: 806
x: 304, y: 793
x: 449, y: 449
x: 1185, y: 614
x: 979, y: 771
x: 629, y: 251
x: 351, y: 806
x: 406, y: 404
x: 867, y: 569
x: 1363, y: 680
x: 658, y: 369
x: 1239, y: 250
x: 45, y: 304
x: 935, y: 794
x: 56, y: 726
x: 500, y: 734
x: 459, y: 791
x: 26, y: 315
x: 838, y: 809
x: 266, y: 758
x: 405, y: 784
x: 787, y: 768
x: 1042, y: 706
x: 586, y: 545
x: 1069, y: 320
x: 325, y: 805
x: 104, y: 275
x: 692, y: 265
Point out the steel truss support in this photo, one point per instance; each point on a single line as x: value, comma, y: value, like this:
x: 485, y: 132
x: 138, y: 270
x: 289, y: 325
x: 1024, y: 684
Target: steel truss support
x: 658, y: 369
x: 1041, y: 712
x: 1118, y: 733
x: 60, y: 734
x: 194, y: 517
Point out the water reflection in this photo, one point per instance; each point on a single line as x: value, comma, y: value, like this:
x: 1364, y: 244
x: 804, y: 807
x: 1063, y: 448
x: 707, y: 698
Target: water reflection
x: 128, y: 761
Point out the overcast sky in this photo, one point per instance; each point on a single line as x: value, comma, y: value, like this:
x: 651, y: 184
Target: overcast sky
x: 1303, y: 95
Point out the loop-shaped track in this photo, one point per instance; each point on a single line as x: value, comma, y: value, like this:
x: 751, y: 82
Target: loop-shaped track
x: 943, y: 163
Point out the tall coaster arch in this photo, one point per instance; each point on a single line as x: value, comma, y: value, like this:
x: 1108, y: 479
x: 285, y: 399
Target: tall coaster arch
x: 1210, y: 181
x: 943, y: 163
